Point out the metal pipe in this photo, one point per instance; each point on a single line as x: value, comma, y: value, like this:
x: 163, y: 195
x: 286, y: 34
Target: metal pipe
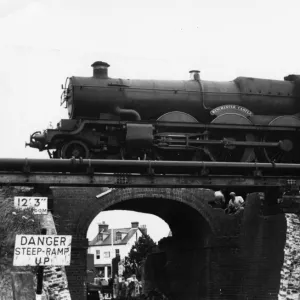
x: 124, y: 111
x: 221, y: 142
x: 247, y: 128
x: 19, y: 164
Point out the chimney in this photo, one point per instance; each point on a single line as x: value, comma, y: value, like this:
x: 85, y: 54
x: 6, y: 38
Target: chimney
x: 103, y: 227
x: 100, y: 69
x: 143, y: 228
x: 195, y: 75
x: 134, y: 224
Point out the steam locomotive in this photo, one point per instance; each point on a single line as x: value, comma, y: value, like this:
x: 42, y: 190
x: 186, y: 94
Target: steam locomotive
x: 247, y: 119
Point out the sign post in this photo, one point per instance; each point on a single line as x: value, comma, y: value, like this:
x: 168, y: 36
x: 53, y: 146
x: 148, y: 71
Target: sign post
x: 40, y: 272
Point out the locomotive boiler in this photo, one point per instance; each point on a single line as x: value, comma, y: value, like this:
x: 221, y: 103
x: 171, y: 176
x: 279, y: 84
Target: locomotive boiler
x: 247, y: 119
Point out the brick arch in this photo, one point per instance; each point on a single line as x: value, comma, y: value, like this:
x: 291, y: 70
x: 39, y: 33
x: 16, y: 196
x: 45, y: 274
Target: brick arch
x: 195, y: 198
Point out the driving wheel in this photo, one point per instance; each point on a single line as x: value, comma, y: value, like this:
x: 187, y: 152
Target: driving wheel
x: 75, y: 149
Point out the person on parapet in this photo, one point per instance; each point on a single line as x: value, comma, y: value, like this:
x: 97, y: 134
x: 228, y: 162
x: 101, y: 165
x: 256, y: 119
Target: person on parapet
x: 235, y: 204
x: 219, y: 200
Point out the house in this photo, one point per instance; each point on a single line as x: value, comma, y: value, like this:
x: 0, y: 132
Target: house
x: 108, y: 243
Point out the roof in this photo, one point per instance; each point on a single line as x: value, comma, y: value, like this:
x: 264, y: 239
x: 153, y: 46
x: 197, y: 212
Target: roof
x: 129, y: 233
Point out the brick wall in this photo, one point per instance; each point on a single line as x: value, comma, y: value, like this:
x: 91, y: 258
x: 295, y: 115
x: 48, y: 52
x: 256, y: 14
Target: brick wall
x: 243, y: 260
x: 69, y: 205
x: 262, y: 241
x: 290, y: 272
x: 77, y: 271
x: 55, y: 283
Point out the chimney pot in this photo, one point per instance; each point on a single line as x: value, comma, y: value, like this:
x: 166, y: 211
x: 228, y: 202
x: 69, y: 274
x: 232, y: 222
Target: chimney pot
x: 100, y: 69
x: 134, y: 224
x: 103, y: 227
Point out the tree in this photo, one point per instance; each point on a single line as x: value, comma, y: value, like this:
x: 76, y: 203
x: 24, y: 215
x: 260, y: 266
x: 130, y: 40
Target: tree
x: 138, y: 253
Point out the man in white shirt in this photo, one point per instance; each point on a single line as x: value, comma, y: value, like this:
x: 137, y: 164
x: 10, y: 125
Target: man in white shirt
x: 235, y: 204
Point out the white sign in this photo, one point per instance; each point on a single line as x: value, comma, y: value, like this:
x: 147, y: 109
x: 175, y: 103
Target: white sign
x: 39, y: 204
x: 42, y: 250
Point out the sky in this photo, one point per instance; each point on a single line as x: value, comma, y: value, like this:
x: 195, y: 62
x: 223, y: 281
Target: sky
x: 44, y: 41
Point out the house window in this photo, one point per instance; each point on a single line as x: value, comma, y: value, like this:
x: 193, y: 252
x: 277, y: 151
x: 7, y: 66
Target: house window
x: 100, y: 237
x: 106, y: 254
x: 118, y: 236
x: 117, y: 252
x: 97, y: 254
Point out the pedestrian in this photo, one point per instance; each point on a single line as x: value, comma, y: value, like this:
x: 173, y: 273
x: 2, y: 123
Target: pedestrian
x: 115, y: 286
x: 131, y: 290
x: 127, y: 283
x: 110, y: 287
x: 122, y: 289
x: 136, y: 292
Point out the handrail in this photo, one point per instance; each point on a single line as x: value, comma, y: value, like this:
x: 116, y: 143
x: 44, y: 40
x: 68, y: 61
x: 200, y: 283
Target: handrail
x: 18, y: 164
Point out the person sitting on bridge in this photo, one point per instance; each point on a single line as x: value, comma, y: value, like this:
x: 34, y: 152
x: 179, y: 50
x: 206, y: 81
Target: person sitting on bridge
x: 219, y: 201
x: 235, y: 204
